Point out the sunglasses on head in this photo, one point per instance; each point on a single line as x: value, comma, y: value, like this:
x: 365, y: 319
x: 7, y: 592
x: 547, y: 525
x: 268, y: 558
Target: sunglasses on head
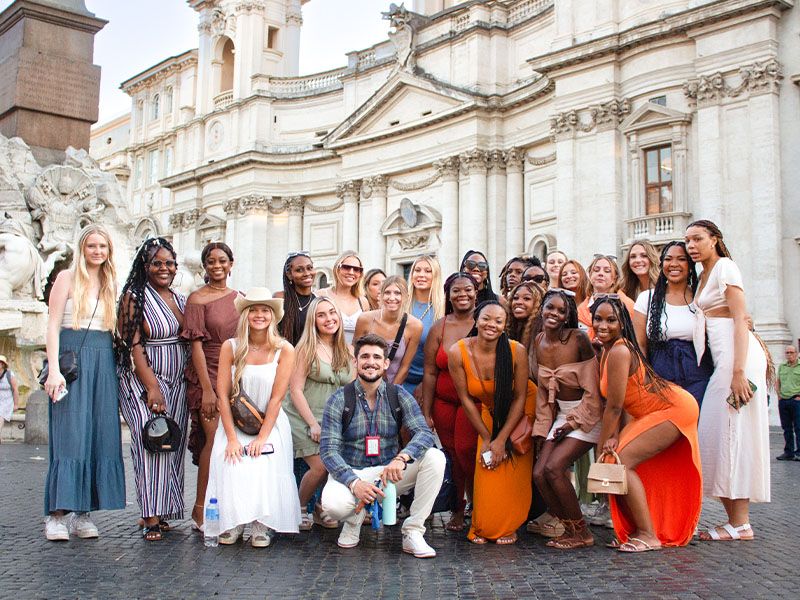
x: 608, y: 256
x: 608, y: 296
x: 481, y: 265
x: 534, y: 278
x: 296, y: 254
x: 170, y: 264
x: 351, y: 268
x: 564, y: 291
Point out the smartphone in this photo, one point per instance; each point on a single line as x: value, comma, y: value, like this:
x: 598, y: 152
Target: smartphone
x: 61, y: 394
x: 265, y: 449
x: 487, y: 457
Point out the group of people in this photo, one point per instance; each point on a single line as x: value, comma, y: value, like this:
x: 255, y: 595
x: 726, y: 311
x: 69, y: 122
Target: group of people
x: 379, y: 380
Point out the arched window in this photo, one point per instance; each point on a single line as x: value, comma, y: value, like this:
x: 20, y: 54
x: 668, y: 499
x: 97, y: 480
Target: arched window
x: 155, y: 109
x: 226, y: 75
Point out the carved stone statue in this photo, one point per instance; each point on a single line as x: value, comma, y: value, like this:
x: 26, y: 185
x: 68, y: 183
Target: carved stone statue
x: 190, y: 273
x: 21, y: 267
x: 403, y: 22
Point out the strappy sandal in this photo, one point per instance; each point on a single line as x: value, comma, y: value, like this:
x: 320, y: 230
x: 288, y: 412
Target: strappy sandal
x: 571, y: 540
x: 734, y: 533
x: 478, y: 540
x: 164, y: 525
x: 632, y: 546
x: 507, y: 540
x: 614, y: 544
x: 455, y: 526
x: 152, y: 533
x: 324, y: 520
x: 552, y: 527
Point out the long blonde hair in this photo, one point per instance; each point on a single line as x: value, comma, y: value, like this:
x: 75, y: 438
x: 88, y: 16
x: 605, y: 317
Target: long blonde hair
x: 436, y: 295
x: 630, y: 281
x: 356, y: 289
x: 81, y: 301
x: 614, y: 269
x: 242, y: 346
x: 306, y: 351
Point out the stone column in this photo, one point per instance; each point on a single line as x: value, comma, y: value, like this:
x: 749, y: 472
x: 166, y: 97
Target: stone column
x: 295, y: 204
x: 376, y: 189
x: 565, y: 197
x: 472, y: 216
x: 515, y: 204
x: 252, y: 239
x: 496, y: 195
x: 278, y: 236
x: 708, y: 201
x: 349, y: 192
x: 448, y: 252
x: 291, y: 45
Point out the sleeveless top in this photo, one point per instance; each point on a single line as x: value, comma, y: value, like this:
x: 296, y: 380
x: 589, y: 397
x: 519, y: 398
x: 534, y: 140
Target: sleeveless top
x: 712, y: 296
x: 424, y: 312
x: 96, y: 323
x: 445, y: 388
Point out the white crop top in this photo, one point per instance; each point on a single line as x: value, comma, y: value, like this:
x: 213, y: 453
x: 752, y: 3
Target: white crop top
x: 96, y: 323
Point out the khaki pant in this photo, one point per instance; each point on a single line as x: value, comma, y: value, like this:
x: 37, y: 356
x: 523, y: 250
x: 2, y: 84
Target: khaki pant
x: 423, y: 475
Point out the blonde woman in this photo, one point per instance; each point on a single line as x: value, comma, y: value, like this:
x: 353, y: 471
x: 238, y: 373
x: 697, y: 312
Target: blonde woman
x: 426, y: 303
x: 401, y: 331
x: 604, y: 278
x: 346, y: 291
x: 84, y: 414
x: 553, y: 262
x: 323, y: 365
x: 251, y: 475
x: 640, y: 269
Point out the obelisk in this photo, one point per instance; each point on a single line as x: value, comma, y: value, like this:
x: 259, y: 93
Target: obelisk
x: 49, y: 84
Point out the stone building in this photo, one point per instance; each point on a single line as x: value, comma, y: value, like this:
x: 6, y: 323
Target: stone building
x: 506, y: 125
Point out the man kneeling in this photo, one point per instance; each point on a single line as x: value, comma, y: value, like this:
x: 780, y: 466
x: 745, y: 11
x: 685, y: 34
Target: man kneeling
x: 360, y: 444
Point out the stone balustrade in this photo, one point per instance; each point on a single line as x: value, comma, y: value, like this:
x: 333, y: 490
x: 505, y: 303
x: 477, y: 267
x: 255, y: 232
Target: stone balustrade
x: 658, y: 228
x: 223, y: 100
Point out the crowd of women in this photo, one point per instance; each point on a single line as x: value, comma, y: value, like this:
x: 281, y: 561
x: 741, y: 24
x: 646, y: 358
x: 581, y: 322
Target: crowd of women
x: 651, y: 360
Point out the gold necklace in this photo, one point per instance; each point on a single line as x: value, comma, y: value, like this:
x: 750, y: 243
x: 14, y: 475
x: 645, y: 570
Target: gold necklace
x: 216, y: 287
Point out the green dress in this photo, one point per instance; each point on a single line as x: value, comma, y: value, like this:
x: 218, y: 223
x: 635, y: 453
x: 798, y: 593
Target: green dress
x: 320, y: 385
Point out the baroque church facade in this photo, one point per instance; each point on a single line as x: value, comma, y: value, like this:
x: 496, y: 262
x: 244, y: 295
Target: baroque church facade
x: 511, y: 126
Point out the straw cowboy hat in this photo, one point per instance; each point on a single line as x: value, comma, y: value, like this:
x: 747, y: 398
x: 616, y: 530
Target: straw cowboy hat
x: 3, y: 359
x: 260, y: 295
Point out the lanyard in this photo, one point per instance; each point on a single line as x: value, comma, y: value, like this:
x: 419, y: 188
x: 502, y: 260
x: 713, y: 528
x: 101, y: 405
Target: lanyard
x: 371, y: 415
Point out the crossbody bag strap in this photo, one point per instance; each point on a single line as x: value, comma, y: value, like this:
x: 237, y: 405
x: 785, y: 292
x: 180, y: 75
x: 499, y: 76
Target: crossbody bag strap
x: 398, y: 338
x: 89, y: 325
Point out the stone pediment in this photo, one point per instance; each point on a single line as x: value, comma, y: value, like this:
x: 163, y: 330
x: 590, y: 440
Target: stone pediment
x: 404, y: 103
x: 650, y: 115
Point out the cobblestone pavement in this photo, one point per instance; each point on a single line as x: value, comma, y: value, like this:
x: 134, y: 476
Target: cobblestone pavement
x: 310, y: 565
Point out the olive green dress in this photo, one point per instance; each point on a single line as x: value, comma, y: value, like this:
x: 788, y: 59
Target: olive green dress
x: 320, y: 385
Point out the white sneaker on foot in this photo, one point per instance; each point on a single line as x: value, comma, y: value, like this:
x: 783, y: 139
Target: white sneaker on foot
x: 351, y: 531
x: 231, y: 536
x: 414, y: 543
x: 55, y: 529
x: 81, y: 525
x: 260, y: 535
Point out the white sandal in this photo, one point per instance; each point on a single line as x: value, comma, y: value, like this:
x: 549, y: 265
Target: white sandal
x: 735, y: 533
x: 306, y: 522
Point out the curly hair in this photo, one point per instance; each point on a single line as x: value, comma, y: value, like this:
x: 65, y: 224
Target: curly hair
x: 130, y: 310
x: 571, y: 321
x: 504, y: 289
x: 523, y: 331
x: 658, y: 299
x: 503, y: 376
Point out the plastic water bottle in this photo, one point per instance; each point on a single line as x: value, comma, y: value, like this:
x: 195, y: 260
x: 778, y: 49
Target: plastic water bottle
x: 389, y: 504
x: 211, y: 524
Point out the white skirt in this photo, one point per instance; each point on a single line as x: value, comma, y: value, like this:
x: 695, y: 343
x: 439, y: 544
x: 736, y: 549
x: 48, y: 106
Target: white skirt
x: 564, y: 407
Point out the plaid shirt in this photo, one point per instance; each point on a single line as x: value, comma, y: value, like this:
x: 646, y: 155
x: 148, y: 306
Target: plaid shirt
x: 341, y: 452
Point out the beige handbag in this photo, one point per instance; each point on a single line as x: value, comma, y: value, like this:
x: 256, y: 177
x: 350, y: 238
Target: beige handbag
x: 608, y: 478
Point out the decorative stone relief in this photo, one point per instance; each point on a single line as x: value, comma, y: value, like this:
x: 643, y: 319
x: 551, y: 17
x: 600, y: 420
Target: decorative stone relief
x: 377, y: 185
x: 349, y: 190
x: 412, y: 186
x: 475, y: 161
x: 540, y: 161
x: 411, y: 242
x: 755, y: 78
x: 294, y: 204
x: 216, y: 134
x: 249, y: 6
x: 496, y: 159
x: 186, y: 219
x: 601, y: 116
x: 21, y: 267
x: 448, y: 167
x: 403, y: 35
x: 246, y: 205
x: 514, y: 158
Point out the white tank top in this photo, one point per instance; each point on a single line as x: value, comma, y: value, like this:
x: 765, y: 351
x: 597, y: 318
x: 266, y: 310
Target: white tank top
x: 96, y: 322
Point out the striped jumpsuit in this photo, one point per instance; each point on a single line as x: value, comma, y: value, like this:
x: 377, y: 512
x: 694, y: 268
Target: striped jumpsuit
x: 158, y: 477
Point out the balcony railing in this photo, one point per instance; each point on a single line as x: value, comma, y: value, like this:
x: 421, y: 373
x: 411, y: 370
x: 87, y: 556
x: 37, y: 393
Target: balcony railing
x: 661, y: 227
x: 222, y: 100
x: 527, y: 8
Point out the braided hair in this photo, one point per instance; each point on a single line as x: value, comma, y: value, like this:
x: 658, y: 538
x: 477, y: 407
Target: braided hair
x: 486, y: 293
x: 658, y: 299
x: 504, y: 289
x: 571, y: 321
x: 711, y: 228
x: 131, y: 321
x: 503, y: 376
x: 448, y: 283
x: 654, y: 382
x: 523, y: 331
x: 291, y: 326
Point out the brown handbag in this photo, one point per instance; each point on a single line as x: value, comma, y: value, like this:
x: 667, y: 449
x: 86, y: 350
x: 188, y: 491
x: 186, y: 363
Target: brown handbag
x: 608, y: 478
x: 245, y: 415
x: 522, y: 436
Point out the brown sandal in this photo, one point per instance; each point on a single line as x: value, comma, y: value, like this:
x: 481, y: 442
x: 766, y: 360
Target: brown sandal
x: 573, y: 536
x: 478, y: 540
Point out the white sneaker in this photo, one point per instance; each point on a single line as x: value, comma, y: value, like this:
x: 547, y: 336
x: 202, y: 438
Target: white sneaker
x: 306, y: 521
x: 351, y: 531
x: 414, y: 543
x: 81, y: 525
x: 260, y: 535
x: 55, y: 529
x: 597, y: 513
x: 231, y: 536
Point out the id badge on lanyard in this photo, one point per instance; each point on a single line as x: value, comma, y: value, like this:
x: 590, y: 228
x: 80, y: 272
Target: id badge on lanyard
x: 372, y: 443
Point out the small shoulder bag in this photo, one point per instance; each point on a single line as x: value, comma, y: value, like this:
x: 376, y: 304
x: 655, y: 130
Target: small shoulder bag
x: 246, y: 416
x: 607, y: 478
x: 67, y: 359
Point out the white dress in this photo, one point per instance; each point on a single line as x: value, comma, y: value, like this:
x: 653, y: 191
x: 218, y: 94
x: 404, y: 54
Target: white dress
x: 6, y: 396
x: 262, y: 488
x: 734, y: 445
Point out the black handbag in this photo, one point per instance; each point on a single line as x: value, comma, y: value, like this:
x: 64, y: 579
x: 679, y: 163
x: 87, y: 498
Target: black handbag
x: 246, y: 416
x: 161, y: 434
x: 67, y: 359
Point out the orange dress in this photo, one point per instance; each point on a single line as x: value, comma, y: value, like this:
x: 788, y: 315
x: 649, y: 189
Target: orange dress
x: 501, y: 497
x: 672, y: 479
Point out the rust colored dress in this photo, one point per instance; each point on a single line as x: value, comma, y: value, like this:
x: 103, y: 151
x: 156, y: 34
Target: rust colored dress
x: 502, y: 496
x: 672, y: 479
x: 211, y: 323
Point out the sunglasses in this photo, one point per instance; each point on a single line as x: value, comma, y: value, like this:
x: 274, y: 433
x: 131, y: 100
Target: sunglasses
x: 352, y: 268
x: 534, y: 278
x: 476, y: 264
x: 564, y: 291
x: 606, y: 296
x: 608, y: 256
x: 296, y: 254
x: 170, y: 264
